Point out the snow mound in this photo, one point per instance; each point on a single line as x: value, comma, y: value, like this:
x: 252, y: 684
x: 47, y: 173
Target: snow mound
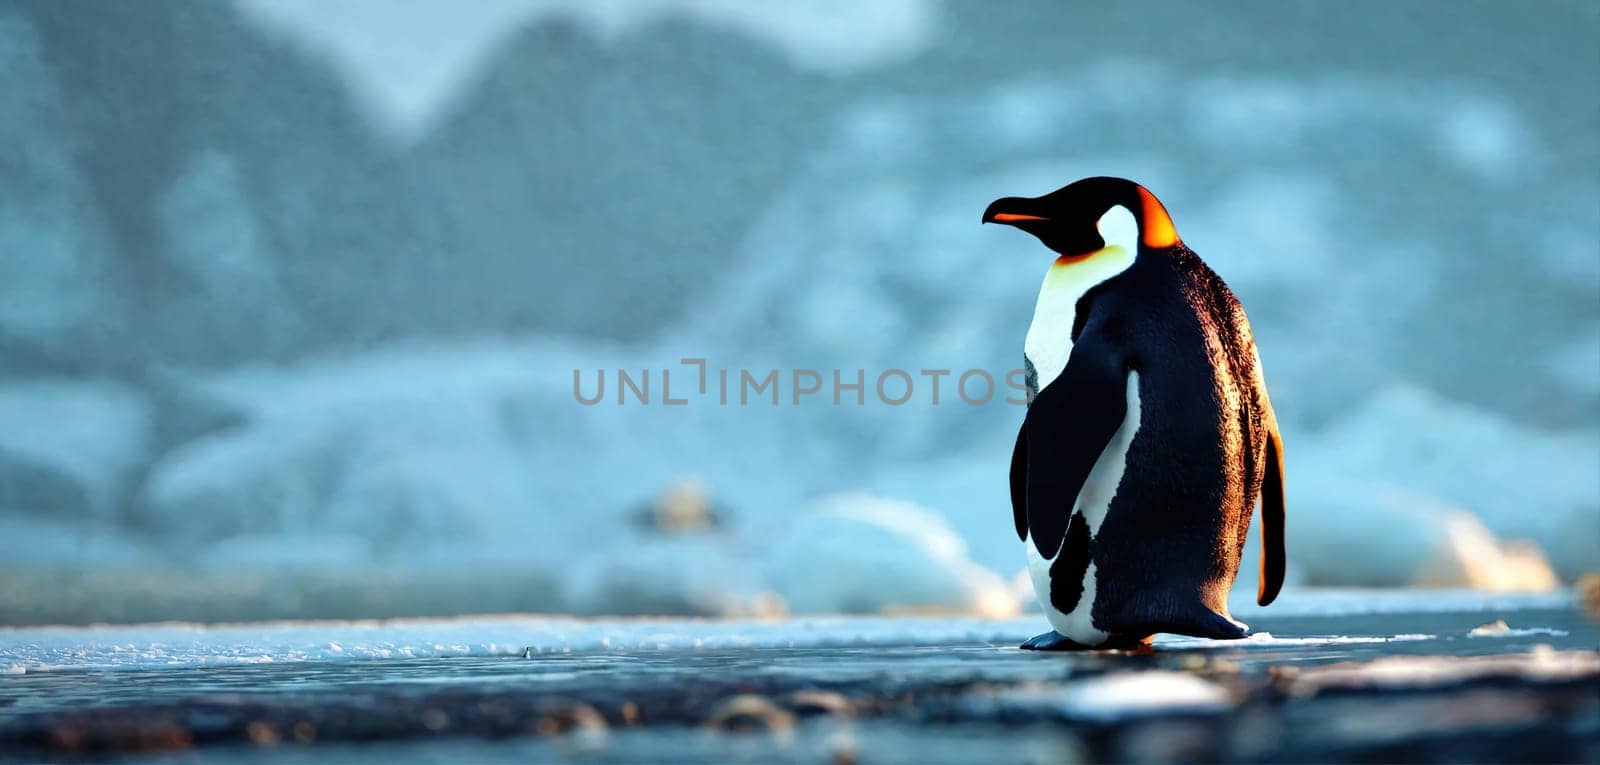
x: 858, y: 553
x: 698, y: 574
x: 1415, y: 478
x: 1349, y: 532
x: 1499, y: 628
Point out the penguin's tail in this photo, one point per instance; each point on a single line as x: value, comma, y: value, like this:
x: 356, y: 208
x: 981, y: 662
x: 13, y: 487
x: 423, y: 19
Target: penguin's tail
x: 1273, y: 557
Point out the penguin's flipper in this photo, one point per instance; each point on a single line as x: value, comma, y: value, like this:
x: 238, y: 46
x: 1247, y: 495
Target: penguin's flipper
x: 1273, y: 556
x: 1019, y: 483
x: 1068, y: 426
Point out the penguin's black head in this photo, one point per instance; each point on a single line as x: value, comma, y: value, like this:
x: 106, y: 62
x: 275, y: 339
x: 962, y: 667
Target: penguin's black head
x: 1085, y: 217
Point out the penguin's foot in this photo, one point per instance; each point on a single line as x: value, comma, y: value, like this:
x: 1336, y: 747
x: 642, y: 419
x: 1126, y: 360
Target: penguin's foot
x: 1052, y: 641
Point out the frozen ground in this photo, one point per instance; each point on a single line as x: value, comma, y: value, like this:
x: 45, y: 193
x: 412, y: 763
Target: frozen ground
x: 1345, y: 675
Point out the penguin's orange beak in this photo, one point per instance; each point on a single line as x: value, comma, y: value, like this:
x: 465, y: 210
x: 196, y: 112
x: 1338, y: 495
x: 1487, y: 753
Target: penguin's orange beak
x: 1012, y: 210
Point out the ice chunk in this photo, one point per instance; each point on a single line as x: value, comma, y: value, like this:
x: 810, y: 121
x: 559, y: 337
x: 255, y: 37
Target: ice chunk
x: 1415, y: 672
x: 648, y: 574
x: 1120, y: 695
x: 1499, y: 628
x: 1447, y: 454
x: 1350, y: 532
x: 858, y: 553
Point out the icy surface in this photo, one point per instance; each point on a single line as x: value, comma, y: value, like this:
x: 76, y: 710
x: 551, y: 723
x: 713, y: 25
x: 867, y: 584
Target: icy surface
x: 1322, y: 676
x: 176, y: 644
x: 905, y: 690
x: 159, y: 645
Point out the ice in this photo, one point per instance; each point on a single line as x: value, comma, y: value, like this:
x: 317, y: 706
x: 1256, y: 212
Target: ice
x: 1499, y: 628
x: 187, y: 644
x: 1358, y: 533
x: 1352, y: 601
x: 1454, y: 455
x: 1416, y: 672
x: 655, y: 574
x: 857, y: 553
x: 1120, y: 696
x: 386, y: 450
x: 159, y: 645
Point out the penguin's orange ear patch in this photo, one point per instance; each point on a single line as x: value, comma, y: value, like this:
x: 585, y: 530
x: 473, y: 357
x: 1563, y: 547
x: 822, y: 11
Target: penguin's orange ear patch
x: 1159, y: 233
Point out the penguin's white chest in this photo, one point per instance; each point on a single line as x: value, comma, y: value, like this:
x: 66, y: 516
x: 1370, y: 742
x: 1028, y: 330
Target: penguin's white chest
x: 1048, y: 347
x: 1049, y: 340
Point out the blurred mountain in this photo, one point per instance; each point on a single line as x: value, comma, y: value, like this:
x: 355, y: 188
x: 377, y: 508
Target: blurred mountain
x: 208, y: 194
x: 222, y: 167
x: 58, y: 276
x: 597, y: 187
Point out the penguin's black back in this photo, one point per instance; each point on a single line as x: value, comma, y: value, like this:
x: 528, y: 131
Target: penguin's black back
x: 1172, y: 537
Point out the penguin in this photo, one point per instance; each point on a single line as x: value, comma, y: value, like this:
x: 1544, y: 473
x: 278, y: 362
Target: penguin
x: 1149, y: 435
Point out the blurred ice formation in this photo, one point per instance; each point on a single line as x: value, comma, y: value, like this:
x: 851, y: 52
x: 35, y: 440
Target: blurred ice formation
x: 856, y: 553
x: 260, y: 358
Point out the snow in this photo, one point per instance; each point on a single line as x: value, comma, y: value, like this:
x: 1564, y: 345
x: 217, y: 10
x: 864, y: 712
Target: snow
x: 1351, y: 530
x: 1526, y: 632
x: 1455, y: 456
x: 1350, y: 601
x: 650, y: 574
x: 857, y: 553
x: 388, y: 450
x: 1499, y: 628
